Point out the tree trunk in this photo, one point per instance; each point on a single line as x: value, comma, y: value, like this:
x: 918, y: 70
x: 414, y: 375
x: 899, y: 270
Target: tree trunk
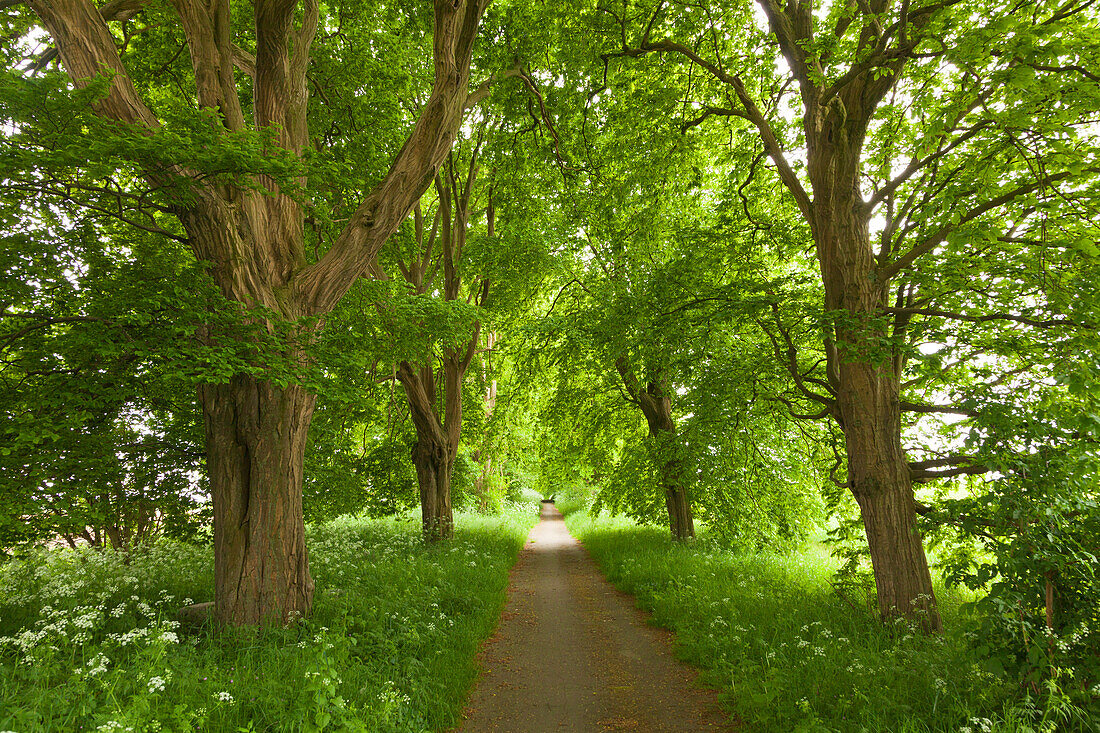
x: 656, y: 404
x: 680, y: 521
x: 481, y: 482
x: 256, y: 438
x: 864, y: 373
x: 662, y: 430
x: 878, y: 475
x: 436, y: 441
x: 868, y: 401
x: 434, y: 461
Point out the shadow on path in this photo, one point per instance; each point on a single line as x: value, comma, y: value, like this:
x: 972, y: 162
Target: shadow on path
x: 574, y: 654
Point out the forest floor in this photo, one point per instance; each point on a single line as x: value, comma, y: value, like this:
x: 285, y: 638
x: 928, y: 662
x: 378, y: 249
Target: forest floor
x: 572, y: 653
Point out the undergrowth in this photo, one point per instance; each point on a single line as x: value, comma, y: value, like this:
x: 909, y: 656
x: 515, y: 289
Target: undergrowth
x: 789, y: 653
x: 88, y: 640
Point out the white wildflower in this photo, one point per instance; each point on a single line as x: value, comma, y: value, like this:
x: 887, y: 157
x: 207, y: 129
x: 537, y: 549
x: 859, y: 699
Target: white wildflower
x: 113, y: 725
x: 98, y: 664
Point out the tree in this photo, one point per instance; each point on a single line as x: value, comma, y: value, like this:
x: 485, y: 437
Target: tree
x: 101, y: 430
x: 251, y: 231
x: 471, y: 272
x: 439, y: 426
x: 903, y: 112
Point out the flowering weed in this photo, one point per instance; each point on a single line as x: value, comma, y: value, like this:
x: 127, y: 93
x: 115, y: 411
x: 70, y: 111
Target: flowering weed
x: 89, y: 641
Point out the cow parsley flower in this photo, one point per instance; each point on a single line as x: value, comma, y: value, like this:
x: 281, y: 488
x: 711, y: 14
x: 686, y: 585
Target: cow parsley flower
x: 111, y: 726
x: 98, y: 664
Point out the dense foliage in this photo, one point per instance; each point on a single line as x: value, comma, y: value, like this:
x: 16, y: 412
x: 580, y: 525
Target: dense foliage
x: 778, y: 268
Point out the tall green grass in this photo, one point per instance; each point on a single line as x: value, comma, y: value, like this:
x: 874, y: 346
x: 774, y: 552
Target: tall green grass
x: 88, y: 641
x: 790, y: 653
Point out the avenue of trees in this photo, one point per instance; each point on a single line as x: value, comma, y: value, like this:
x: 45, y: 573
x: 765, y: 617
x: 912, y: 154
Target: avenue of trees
x: 770, y: 267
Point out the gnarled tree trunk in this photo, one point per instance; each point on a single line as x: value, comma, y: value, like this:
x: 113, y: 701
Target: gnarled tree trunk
x: 437, y: 438
x: 256, y: 435
x: 878, y: 477
x: 434, y: 462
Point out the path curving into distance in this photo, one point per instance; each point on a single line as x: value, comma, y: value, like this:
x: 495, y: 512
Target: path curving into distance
x: 574, y: 654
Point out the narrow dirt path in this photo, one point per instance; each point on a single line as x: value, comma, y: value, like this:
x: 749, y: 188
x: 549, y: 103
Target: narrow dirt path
x: 574, y: 654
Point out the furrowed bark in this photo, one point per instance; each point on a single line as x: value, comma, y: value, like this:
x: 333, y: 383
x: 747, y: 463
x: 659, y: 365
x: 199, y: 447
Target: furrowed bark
x: 437, y: 436
x: 433, y: 454
x: 878, y: 476
x: 256, y: 434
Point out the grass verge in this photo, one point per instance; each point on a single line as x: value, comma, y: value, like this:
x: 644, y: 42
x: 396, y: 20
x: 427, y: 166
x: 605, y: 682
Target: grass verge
x: 787, y: 653
x: 88, y: 641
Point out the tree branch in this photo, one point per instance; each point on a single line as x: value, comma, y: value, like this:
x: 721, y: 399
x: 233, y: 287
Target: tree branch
x: 751, y: 113
x: 88, y: 51
x: 930, y: 242
x: 629, y: 380
x: 1037, y: 323
x: 712, y: 111
x: 920, y: 476
x: 916, y: 165
x: 792, y: 27
x: 322, y: 284
x: 936, y: 409
x: 482, y: 91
